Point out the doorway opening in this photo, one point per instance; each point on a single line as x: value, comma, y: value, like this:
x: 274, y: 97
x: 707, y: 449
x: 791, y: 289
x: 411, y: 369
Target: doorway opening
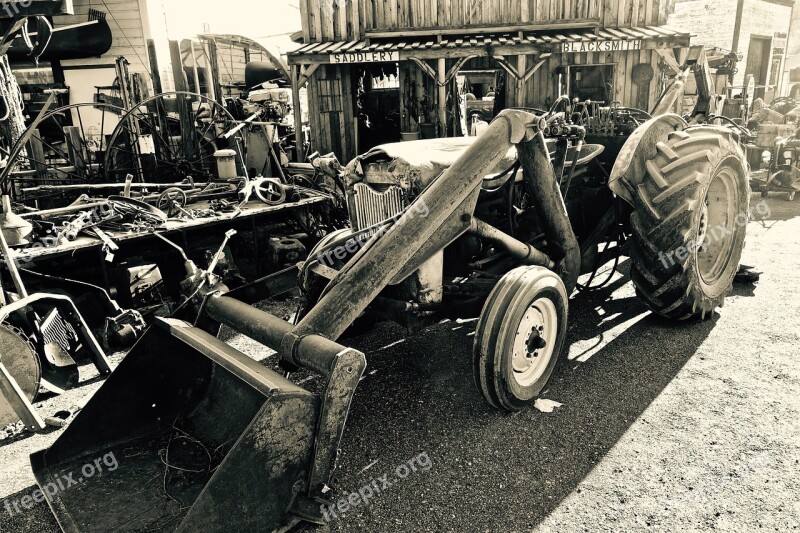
x: 377, y: 104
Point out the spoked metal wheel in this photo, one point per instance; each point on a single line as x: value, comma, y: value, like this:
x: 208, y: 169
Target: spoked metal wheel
x: 172, y: 201
x: 171, y: 137
x: 519, y: 337
x: 67, y: 146
x: 271, y: 192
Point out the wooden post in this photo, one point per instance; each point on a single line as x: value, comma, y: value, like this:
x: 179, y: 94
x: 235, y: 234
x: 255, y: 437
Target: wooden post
x: 441, y: 84
x: 520, y: 82
x: 213, y: 67
x: 75, y: 149
x: 195, y: 70
x: 184, y: 106
x: 155, y: 74
x: 298, y: 114
x: 177, y: 66
x: 36, y: 150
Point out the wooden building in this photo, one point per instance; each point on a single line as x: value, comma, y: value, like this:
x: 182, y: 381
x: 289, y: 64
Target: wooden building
x: 376, y: 68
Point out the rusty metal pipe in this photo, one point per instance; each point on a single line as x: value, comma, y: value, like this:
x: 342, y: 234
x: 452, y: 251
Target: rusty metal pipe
x: 519, y: 250
x: 313, y: 352
x: 540, y: 177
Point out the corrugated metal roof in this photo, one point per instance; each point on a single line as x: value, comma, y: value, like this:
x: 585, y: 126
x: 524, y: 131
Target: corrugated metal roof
x: 547, y: 40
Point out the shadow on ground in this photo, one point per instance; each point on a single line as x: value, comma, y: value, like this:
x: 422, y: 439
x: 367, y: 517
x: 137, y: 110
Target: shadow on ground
x: 493, y: 470
x: 490, y: 470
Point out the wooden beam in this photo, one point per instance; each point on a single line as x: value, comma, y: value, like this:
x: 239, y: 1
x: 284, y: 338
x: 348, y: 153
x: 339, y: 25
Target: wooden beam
x: 441, y: 100
x: 155, y: 74
x: 453, y: 72
x: 570, y: 24
x: 212, y: 55
x: 75, y: 149
x: 305, y: 74
x: 532, y: 70
x: 178, y: 75
x: 669, y: 59
x: 427, y: 69
x: 298, y: 113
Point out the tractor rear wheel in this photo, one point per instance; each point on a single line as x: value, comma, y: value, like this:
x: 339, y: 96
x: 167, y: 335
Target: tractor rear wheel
x: 519, y: 337
x: 689, y: 222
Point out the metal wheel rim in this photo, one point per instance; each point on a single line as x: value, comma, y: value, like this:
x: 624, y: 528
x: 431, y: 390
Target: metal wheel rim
x: 527, y: 367
x: 717, y: 229
x: 198, y: 165
x: 91, y: 149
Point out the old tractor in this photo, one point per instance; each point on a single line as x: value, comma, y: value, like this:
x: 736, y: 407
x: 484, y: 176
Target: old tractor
x: 500, y: 226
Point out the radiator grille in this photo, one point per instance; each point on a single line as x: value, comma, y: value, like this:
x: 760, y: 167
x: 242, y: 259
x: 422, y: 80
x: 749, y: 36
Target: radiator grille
x: 372, y: 207
x: 57, y: 330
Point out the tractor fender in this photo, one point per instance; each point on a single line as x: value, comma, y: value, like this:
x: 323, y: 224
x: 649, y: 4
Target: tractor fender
x: 630, y: 166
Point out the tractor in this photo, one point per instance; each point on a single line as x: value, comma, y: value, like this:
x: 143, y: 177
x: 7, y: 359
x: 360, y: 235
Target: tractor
x: 500, y: 226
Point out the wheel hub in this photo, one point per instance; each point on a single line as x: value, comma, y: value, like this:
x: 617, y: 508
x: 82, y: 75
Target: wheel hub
x: 534, y: 342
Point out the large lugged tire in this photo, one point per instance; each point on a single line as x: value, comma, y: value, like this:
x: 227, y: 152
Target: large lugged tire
x: 689, y: 222
x: 519, y: 337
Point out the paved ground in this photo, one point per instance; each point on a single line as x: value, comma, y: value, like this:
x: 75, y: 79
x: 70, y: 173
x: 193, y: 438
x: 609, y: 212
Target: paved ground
x: 663, y: 427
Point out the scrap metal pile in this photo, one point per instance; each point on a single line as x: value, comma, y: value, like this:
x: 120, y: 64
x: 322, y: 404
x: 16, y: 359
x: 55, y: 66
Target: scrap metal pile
x: 95, y: 178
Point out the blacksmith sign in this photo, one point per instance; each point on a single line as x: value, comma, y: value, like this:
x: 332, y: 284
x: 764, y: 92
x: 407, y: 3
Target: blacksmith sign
x: 364, y: 57
x: 600, y: 46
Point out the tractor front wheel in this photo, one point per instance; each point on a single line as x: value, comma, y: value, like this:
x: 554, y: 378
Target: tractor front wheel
x: 689, y: 222
x: 519, y: 337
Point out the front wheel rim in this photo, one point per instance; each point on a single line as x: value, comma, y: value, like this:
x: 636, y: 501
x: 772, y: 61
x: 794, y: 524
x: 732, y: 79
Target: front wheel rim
x: 534, y: 342
x: 719, y: 228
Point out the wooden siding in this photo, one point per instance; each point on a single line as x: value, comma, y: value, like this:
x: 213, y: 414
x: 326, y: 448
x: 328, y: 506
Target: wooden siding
x: 542, y: 88
x: 232, y: 60
x: 331, y: 116
x: 127, y: 28
x: 342, y: 20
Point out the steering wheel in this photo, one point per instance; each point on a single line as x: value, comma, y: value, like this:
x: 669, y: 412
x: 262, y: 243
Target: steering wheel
x: 783, y: 100
x: 744, y: 131
x: 172, y: 201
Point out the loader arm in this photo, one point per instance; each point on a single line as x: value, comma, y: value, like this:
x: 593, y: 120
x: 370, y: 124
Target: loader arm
x: 450, y: 201
x: 708, y: 101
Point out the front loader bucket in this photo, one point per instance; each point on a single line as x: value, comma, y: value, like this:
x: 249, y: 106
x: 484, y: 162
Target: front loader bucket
x: 187, y: 434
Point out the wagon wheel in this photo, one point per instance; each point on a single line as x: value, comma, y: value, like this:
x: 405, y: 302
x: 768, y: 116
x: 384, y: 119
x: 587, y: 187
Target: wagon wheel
x: 67, y: 146
x: 169, y: 138
x: 172, y: 201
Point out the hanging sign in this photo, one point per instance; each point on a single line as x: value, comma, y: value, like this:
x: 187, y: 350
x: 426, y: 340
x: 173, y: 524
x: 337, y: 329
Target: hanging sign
x: 600, y: 46
x: 364, y: 57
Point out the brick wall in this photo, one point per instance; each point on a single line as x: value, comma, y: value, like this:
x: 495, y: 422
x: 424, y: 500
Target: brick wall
x: 711, y: 23
x: 761, y: 19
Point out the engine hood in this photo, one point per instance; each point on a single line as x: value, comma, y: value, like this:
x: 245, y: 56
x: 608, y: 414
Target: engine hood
x: 413, y: 165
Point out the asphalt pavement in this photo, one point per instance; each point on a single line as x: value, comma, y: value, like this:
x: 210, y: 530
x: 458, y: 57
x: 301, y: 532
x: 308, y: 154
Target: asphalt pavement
x: 661, y: 427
